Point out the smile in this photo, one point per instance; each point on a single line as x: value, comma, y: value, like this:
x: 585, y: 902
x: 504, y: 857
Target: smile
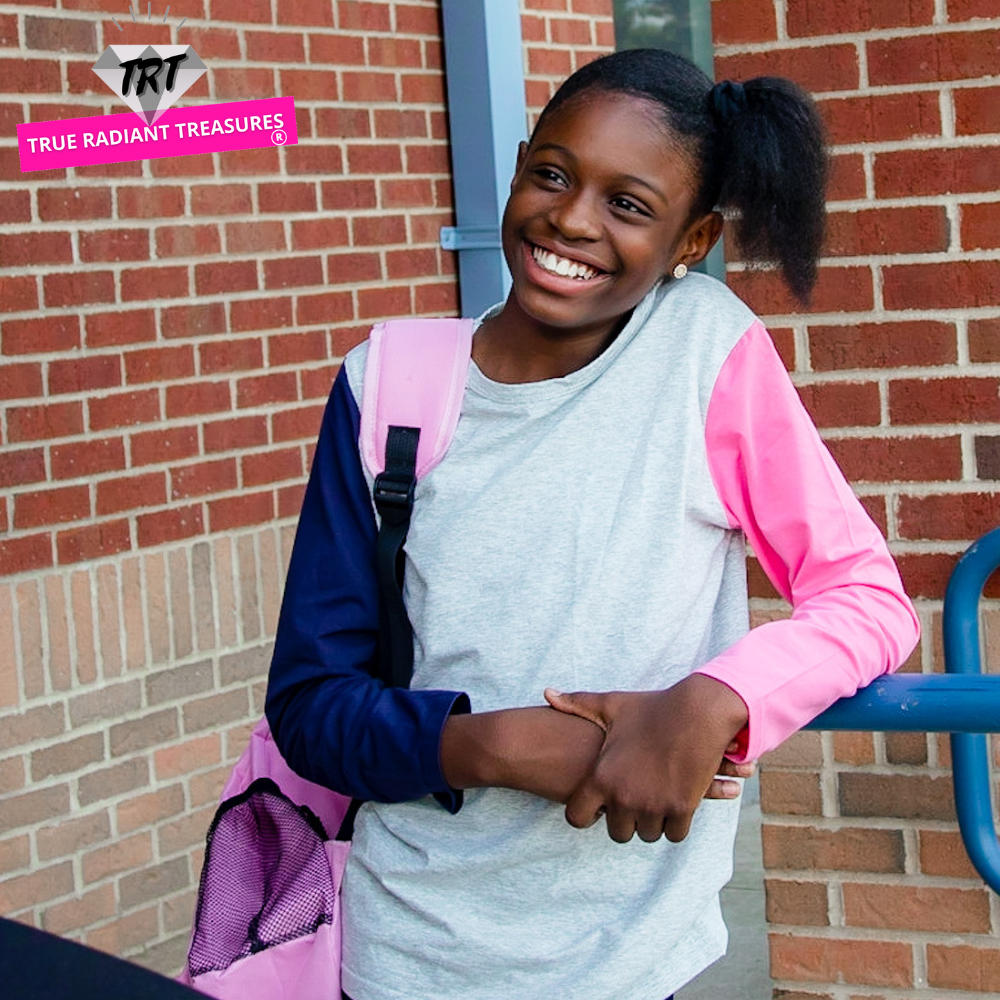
x: 563, y: 266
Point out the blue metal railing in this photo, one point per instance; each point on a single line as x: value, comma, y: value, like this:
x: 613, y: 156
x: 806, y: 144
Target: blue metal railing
x: 962, y: 701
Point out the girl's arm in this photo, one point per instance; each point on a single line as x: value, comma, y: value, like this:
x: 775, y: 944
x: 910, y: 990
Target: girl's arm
x: 851, y: 620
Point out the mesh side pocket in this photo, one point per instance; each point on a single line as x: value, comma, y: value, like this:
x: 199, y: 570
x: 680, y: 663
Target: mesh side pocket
x: 266, y: 879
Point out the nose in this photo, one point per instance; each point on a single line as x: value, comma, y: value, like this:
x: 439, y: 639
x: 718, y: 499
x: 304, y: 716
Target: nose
x: 575, y: 216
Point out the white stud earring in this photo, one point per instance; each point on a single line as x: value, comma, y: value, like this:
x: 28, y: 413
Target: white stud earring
x: 680, y: 271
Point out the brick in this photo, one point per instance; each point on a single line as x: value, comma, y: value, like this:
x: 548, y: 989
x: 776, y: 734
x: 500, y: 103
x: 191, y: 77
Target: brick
x: 203, y: 478
x: 252, y: 237
x: 440, y: 298
x: 800, y: 903
x: 419, y: 20
x: 392, y: 123
x: 124, y: 327
x: 791, y: 793
x: 301, y: 424
x: 198, y: 397
x: 169, y: 525
x: 77, y: 288
x: 317, y: 381
x: 128, y: 493
x: 72, y: 835
x: 375, y: 303
x: 329, y: 307
x: 819, y: 69
x: 964, y: 967
x: 917, y: 908
x: 179, y: 683
x: 221, y: 199
x: 742, y: 21
x: 838, y: 289
x: 350, y: 194
x: 267, y: 46
x: 159, y: 201
x: 987, y: 457
x: 914, y: 172
x: 309, y: 84
x: 31, y: 76
x: 833, y: 404
x: 979, y: 224
x: 243, y: 83
x: 942, y: 286
x: 808, y: 17
x: 126, y: 933
x: 141, y: 734
x: 977, y: 110
x: 32, y: 808
x: 93, y: 542
x: 315, y: 158
x: 943, y: 853
x: 144, y: 283
x: 930, y: 58
x: 21, y: 381
x: 186, y: 832
x: 289, y: 272
x: 40, y: 336
x: 260, y: 314
x: 230, y: 355
x: 64, y: 758
x: 219, y: 278
x: 378, y: 230
x: 171, y: 445
x: 56, y: 204
x: 241, y: 511
x: 922, y: 229
x: 959, y: 516
x: 42, y: 507
x: 236, y: 433
x: 39, y: 886
x: 363, y: 15
x: 26, y: 465
x: 313, y: 234
x: 876, y: 963
x: 215, y: 710
x: 125, y: 854
x: 111, y: 781
x: 296, y: 348
x: 926, y: 574
x: 17, y: 294
x: 255, y: 11
x: 46, y: 247
x: 153, y: 807
x: 882, y: 345
x: 276, y: 387
x: 123, y: 409
x: 106, y: 703
x: 156, y: 364
x: 251, y: 162
x: 897, y: 459
x: 188, y: 241
x: 185, y: 758
x: 342, y: 123
x: 195, y: 320
x: 910, y: 796
x: 271, y: 466
x: 74, y: 914
x: 285, y: 197
x: 944, y: 400
x: 84, y: 374
x: 344, y: 268
x: 852, y: 849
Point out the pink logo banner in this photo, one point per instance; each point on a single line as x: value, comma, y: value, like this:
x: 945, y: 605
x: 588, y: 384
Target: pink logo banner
x: 206, y: 128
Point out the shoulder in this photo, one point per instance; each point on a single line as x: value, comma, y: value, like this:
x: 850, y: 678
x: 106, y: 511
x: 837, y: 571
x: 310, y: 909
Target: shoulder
x: 705, y: 307
x: 354, y: 368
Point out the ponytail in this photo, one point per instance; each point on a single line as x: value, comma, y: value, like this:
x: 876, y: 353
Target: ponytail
x: 758, y: 148
x: 771, y: 166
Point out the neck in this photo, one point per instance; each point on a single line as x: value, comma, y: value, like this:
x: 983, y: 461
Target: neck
x: 512, y: 348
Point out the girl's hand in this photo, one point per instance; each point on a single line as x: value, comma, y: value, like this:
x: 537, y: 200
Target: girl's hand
x: 660, y: 757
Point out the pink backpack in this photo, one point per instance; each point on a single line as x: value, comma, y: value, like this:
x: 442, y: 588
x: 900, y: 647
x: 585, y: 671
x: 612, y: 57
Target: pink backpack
x: 267, y: 924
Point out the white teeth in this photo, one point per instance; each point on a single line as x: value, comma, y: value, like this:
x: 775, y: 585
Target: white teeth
x: 563, y: 266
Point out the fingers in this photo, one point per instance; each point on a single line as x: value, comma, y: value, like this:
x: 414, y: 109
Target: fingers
x: 585, y: 704
x: 746, y: 769
x: 721, y: 789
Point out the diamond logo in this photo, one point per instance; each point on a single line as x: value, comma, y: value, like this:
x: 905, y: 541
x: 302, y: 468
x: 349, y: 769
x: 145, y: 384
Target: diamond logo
x: 150, y: 78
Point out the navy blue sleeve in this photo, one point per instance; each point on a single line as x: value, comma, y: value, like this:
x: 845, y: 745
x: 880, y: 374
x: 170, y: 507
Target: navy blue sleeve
x: 332, y: 721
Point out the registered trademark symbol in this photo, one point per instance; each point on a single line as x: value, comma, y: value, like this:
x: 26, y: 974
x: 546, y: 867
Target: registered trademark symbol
x: 278, y: 137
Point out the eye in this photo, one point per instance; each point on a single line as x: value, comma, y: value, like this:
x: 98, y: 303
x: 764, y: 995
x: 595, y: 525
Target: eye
x: 629, y: 206
x: 549, y: 175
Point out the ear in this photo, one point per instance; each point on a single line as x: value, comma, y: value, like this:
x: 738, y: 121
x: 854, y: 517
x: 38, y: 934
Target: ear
x: 699, y: 238
x: 522, y: 152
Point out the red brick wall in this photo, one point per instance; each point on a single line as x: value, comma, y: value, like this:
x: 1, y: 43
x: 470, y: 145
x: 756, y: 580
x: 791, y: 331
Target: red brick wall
x: 169, y: 330
x: 869, y: 892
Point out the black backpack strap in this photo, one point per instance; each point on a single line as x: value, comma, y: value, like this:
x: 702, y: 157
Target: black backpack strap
x: 393, y: 495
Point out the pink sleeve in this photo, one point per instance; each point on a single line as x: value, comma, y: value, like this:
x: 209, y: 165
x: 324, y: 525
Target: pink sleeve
x: 851, y: 620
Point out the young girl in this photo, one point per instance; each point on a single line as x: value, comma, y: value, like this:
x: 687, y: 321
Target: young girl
x: 626, y: 424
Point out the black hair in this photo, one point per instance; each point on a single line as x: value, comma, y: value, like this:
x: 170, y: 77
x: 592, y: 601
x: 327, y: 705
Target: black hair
x: 758, y: 150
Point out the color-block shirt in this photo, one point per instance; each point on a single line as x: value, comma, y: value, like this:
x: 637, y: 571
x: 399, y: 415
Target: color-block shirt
x: 583, y: 533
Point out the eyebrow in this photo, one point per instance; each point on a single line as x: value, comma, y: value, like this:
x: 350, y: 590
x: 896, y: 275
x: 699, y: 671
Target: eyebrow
x: 624, y: 177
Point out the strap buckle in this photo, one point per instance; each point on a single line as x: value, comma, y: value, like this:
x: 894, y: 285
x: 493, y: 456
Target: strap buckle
x: 393, y: 491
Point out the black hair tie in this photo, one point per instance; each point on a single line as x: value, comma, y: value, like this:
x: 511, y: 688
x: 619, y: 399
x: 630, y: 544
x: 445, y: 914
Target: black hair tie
x: 728, y: 99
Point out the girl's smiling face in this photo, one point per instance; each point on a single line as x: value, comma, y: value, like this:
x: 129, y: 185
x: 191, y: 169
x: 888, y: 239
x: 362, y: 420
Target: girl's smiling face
x: 599, y: 212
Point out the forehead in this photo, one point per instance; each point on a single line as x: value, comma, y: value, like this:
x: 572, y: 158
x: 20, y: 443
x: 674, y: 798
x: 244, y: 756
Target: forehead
x: 616, y: 128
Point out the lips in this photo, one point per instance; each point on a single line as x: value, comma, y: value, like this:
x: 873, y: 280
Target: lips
x: 565, y: 267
